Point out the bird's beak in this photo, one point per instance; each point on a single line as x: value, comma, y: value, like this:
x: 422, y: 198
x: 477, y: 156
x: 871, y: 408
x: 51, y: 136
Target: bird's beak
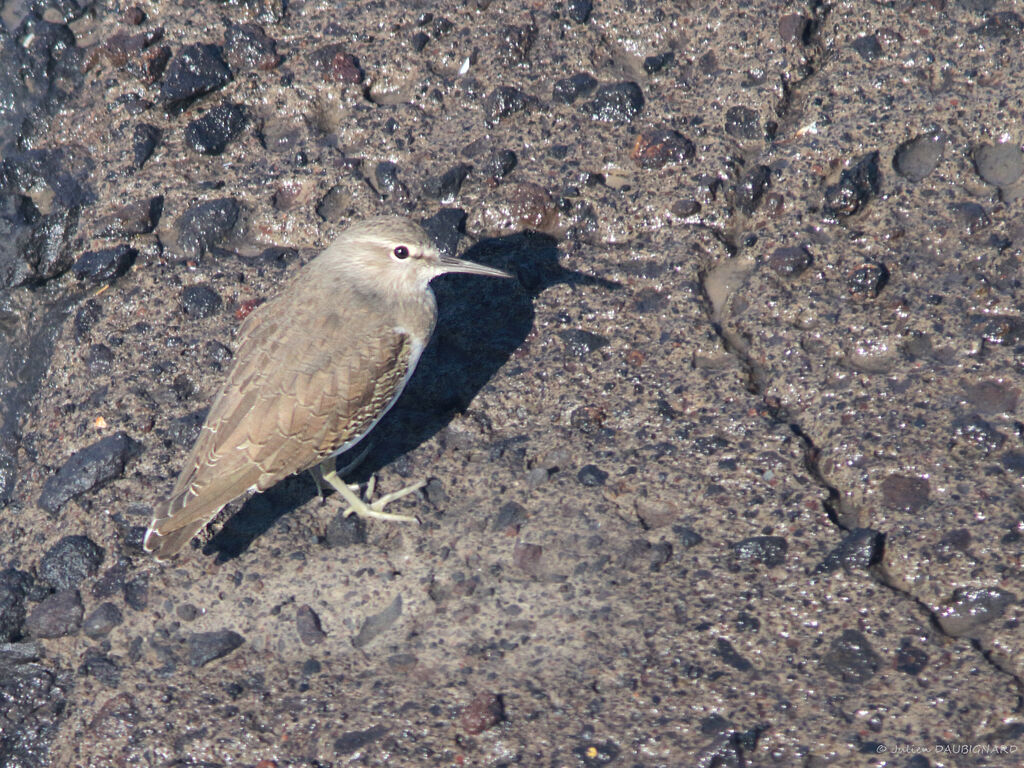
x: 451, y: 264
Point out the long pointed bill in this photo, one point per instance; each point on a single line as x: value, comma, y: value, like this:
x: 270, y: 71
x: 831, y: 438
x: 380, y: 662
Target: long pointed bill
x: 451, y: 264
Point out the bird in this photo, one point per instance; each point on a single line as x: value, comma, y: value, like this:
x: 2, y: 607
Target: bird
x: 315, y: 369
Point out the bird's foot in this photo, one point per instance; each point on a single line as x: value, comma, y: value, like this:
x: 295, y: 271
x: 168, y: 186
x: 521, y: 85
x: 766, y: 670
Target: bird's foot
x: 374, y: 509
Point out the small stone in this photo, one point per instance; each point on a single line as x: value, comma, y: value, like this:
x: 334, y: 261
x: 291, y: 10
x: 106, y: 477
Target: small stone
x: 851, y: 658
x: 511, y: 515
x: 790, y: 261
x: 975, y: 431
x: 419, y: 41
x: 378, y: 623
x: 345, y: 531
x: 727, y: 653
x: 104, y: 265
x: 793, y: 28
x: 971, y: 217
x: 654, y: 64
x: 112, y: 581
x: 148, y: 65
x: 655, y: 148
x: 446, y: 187
x: 905, y: 492
x: 687, y: 537
x: 580, y: 343
x: 1004, y: 24
x: 134, y: 16
x: 499, y: 164
x: 857, y: 185
x: 187, y: 612
x: 867, y: 47
x: 69, y: 562
x: 247, y: 47
x: 445, y: 228
x: 485, y: 711
x: 196, y: 70
x: 138, y: 218
x: 504, y: 101
x: 999, y: 164
x: 101, y: 667
x: 859, y: 549
x: 136, y: 593
x: 336, y: 64
x: 353, y: 741
x: 14, y: 586
x: 211, y: 133
x: 617, y: 103
x: 101, y: 621
x: 308, y: 625
x: 580, y: 10
x: 58, y: 615
x: 144, y: 141
x: 199, y: 301
x: 743, y: 123
x: 916, y: 158
x: 88, y: 469
x: 204, y: 647
x: 527, y: 557
x: 388, y: 183
x: 993, y: 396
x: 517, y: 42
x: 751, y: 188
x: 971, y: 607
x: 867, y: 281
x: 569, y: 89
x: 205, y: 224
x: 765, y: 550
x: 911, y: 661
x: 591, y: 476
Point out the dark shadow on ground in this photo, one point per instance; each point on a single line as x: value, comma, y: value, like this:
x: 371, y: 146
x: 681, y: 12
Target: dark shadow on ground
x: 481, y: 322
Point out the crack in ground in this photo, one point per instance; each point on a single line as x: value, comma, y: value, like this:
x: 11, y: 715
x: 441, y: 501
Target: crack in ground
x: 715, y: 297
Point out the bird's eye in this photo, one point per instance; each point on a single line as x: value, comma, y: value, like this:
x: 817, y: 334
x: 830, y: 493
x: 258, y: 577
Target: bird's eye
x: 401, y: 252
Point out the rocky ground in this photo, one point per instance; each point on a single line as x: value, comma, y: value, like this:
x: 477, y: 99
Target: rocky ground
x: 730, y: 476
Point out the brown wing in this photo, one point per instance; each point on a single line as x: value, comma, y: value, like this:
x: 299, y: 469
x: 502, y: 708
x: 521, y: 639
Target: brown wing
x: 301, y: 386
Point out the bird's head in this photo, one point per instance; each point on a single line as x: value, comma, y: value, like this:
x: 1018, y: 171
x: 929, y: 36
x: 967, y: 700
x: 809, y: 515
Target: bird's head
x: 396, y: 253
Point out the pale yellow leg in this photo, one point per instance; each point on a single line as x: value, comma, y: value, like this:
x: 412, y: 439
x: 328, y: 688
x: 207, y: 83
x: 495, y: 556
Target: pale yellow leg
x: 355, y: 504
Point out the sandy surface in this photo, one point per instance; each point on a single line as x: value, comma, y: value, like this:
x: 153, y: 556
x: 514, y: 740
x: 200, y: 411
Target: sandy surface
x: 731, y: 475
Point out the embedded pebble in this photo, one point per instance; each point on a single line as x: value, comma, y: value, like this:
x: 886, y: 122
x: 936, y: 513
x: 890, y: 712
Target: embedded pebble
x: 867, y: 47
x: 336, y: 63
x: 445, y: 228
x: 199, y: 301
x: 972, y: 607
x: 136, y: 593
x: 345, y: 531
x: 971, y: 217
x: 504, y: 101
x: 654, y: 64
x: 743, y: 123
x: 793, y: 28
x: 308, y: 625
x: 581, y: 343
x: 446, y: 186
x: 916, y: 158
x: 617, y: 103
x: 138, y: 218
x: 905, y: 492
x: 104, y: 265
x: 993, y: 396
x: 580, y: 10
x: 499, y: 164
x: 247, y: 46
x: 510, y: 515
x: 194, y: 71
x: 101, y: 621
x: 58, y: 615
x: 592, y: 476
x: 851, y: 658
x: 353, y: 741
x: 204, y: 647
x: 101, y: 667
x: 148, y: 65
x: 378, y: 623
x: 211, y: 133
x: 388, y: 183
x: 656, y: 147
x: 856, y: 186
x: 517, y: 41
x: 14, y: 586
x: 485, y: 711
x: 751, y: 188
x: 527, y: 557
x: 999, y: 164
x: 144, y: 141
x: 790, y: 261
x: 69, y: 562
x: 859, y: 549
x: 88, y: 469
x: 766, y: 550
x: 568, y: 89
x: 977, y: 432
x: 205, y: 224
x: 867, y: 280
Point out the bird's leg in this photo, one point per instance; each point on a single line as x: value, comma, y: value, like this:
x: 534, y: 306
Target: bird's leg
x: 319, y: 475
x: 360, y: 507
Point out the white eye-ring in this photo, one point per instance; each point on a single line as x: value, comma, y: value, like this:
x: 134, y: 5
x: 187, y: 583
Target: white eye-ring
x: 401, y: 252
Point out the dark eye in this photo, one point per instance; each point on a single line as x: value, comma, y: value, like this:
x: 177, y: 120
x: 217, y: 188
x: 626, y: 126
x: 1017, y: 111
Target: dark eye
x: 401, y: 252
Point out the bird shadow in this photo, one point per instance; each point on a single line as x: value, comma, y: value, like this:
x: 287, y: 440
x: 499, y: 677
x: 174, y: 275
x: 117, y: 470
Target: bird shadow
x: 481, y: 321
